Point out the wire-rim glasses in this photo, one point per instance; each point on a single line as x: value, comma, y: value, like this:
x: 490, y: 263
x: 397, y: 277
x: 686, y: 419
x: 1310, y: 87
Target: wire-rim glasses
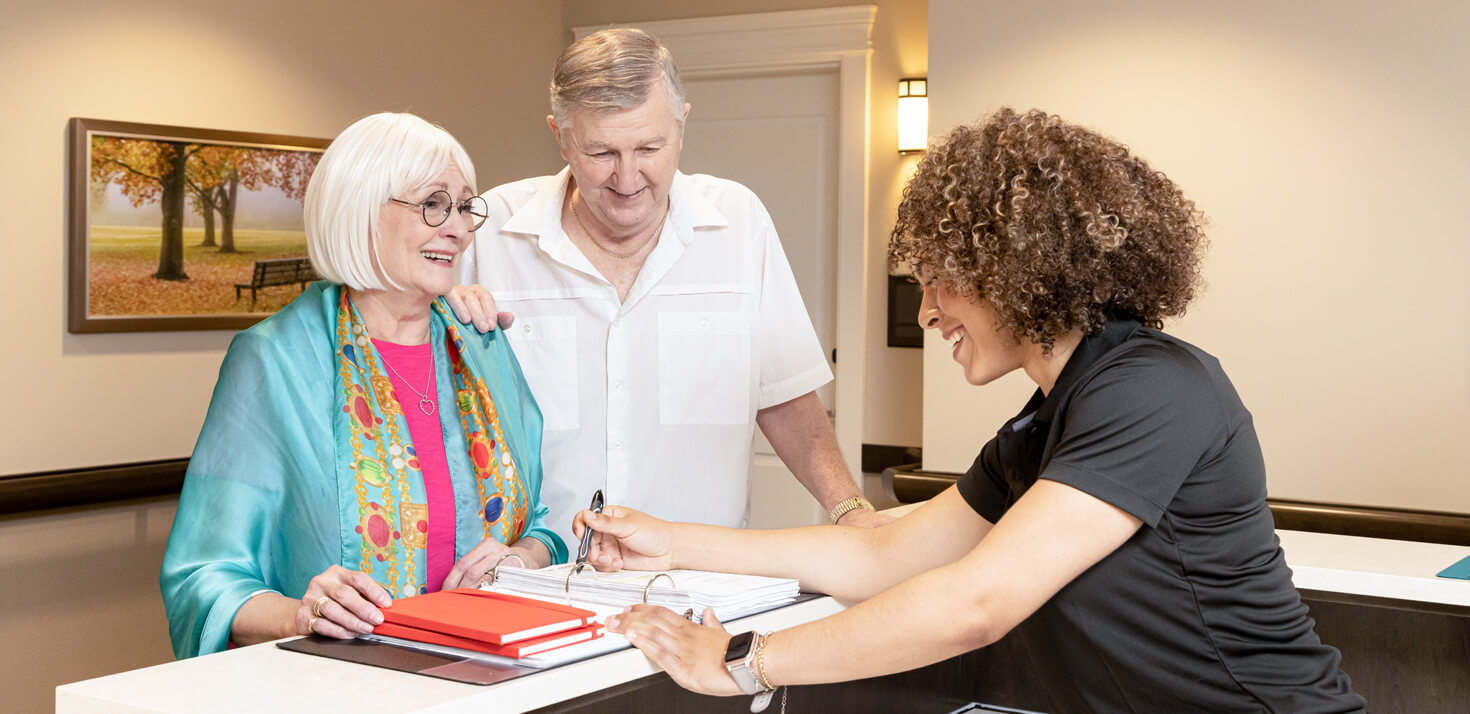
x: 437, y: 207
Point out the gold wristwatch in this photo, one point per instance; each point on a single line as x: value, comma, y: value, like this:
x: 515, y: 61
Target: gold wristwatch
x: 850, y: 504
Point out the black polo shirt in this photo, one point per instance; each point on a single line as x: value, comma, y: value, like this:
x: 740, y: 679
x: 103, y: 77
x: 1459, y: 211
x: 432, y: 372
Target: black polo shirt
x: 1196, y: 612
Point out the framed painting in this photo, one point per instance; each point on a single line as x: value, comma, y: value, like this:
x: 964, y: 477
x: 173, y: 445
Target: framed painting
x: 172, y: 228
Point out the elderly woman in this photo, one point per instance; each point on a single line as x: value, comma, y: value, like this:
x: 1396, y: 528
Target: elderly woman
x: 360, y: 446
x: 1117, y: 524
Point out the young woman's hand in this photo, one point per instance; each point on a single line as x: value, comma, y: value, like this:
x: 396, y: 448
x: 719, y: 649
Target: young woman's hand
x: 694, y: 655
x: 625, y: 538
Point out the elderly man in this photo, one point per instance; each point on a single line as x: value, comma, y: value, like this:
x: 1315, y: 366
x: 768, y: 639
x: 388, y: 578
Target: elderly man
x: 657, y: 319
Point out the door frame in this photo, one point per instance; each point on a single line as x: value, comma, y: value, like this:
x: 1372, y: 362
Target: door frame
x: 823, y: 39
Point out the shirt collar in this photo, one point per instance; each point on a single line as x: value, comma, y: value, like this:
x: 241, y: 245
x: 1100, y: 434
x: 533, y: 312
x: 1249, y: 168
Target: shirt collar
x: 541, y: 215
x: 689, y: 209
x: 1088, y: 352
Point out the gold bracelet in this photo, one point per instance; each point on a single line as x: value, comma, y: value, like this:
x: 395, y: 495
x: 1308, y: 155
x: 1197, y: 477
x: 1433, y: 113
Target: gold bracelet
x: 851, y: 504
x: 760, y: 662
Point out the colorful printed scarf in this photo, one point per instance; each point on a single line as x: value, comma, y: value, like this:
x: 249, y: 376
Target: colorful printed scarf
x: 392, y: 508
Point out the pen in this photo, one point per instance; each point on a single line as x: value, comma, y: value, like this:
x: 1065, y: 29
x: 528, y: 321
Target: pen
x: 586, y: 545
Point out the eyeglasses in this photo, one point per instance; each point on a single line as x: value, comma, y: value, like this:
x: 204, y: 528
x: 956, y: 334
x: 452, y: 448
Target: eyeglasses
x: 439, y: 205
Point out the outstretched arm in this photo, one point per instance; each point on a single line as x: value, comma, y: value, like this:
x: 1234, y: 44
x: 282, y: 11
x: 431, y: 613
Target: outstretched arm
x: 847, y: 563
x: 1051, y: 535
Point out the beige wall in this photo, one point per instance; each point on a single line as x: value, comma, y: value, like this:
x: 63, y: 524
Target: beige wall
x: 1328, y: 143
x: 892, y: 400
x: 278, y: 67
x: 80, y: 586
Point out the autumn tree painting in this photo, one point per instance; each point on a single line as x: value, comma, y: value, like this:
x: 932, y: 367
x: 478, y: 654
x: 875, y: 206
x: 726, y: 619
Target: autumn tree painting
x: 173, y: 225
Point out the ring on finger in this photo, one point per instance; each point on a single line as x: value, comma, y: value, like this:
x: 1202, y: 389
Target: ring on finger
x: 317, y: 608
x: 311, y: 625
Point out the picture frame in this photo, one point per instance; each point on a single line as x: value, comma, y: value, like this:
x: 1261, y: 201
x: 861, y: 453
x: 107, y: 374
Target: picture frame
x: 177, y: 228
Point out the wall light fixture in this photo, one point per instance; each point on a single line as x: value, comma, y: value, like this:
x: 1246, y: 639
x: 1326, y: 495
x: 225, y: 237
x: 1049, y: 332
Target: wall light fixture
x: 913, y: 114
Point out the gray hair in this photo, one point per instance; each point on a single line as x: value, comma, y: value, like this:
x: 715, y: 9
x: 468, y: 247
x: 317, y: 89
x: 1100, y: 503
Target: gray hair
x: 613, y: 69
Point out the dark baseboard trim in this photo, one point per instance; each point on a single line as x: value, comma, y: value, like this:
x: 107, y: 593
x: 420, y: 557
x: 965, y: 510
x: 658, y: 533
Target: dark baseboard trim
x: 21, y: 493
x: 910, y: 484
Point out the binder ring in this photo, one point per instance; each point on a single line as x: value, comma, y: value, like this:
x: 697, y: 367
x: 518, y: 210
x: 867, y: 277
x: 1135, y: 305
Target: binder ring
x: 570, y: 572
x: 653, y: 580
x: 489, y: 578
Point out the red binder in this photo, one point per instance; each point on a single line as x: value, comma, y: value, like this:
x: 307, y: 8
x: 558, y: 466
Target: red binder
x: 487, y: 617
x: 523, y: 648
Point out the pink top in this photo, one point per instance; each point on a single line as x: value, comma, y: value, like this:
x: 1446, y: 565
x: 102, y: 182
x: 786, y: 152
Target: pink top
x: 412, y: 374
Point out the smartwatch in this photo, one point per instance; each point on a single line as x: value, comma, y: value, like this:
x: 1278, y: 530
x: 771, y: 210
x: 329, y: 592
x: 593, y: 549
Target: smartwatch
x: 740, y: 660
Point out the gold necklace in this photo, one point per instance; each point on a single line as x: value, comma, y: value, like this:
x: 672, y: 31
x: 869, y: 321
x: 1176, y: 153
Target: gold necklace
x: 426, y: 405
x: 620, y: 256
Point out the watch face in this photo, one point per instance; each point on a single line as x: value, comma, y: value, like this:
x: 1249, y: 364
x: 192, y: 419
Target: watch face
x: 739, y: 646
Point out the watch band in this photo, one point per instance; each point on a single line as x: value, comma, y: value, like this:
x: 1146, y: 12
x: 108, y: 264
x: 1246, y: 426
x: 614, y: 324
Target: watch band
x: 850, y: 504
x: 744, y: 673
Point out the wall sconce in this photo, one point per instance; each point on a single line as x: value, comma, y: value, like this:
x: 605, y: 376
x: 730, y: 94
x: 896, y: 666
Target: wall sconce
x: 913, y: 114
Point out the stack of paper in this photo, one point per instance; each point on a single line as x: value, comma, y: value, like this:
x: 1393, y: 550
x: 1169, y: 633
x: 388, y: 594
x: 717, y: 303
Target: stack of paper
x: 730, y: 595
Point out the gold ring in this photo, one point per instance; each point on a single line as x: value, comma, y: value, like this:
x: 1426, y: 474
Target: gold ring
x: 317, y: 608
x: 311, y: 625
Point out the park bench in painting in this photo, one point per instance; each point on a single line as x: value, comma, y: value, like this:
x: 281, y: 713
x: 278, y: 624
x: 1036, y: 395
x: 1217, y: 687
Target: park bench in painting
x: 280, y: 271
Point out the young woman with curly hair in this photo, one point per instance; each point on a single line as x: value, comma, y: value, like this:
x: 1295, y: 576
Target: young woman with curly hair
x: 1117, y: 525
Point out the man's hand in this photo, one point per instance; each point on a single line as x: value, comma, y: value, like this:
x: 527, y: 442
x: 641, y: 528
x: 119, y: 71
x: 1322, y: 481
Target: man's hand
x: 475, y: 304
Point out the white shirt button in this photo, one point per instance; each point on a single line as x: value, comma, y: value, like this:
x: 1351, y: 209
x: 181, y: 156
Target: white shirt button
x: 617, y: 384
x: 617, y: 444
x: 617, y: 323
x: 527, y: 328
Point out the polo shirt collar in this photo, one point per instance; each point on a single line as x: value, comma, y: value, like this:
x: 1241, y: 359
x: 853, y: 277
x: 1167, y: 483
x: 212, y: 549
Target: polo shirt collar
x: 1088, y: 352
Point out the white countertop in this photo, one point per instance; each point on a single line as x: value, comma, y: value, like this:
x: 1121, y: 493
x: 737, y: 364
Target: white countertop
x: 263, y: 678
x: 1375, y: 566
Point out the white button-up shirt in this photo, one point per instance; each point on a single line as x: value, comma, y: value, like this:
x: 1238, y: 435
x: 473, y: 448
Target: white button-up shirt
x: 652, y: 399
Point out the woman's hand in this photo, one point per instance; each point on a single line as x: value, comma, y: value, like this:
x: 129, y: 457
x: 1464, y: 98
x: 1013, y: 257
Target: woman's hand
x: 694, y: 655
x: 473, y: 303
x: 341, y: 603
x: 475, y: 566
x: 625, y: 538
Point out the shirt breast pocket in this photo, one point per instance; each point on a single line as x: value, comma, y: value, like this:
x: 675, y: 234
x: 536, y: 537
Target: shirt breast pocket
x: 546, y: 347
x: 704, y: 367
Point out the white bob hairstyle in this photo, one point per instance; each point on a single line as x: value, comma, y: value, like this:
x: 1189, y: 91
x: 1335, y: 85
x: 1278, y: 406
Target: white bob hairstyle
x: 382, y: 156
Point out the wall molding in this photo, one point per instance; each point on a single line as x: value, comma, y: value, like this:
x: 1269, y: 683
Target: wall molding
x: 910, y: 484
x: 21, y: 493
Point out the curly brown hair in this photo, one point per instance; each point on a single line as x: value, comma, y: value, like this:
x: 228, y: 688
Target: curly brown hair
x: 1058, y: 227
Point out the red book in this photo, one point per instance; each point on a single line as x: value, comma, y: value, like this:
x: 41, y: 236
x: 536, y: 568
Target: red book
x: 486, y: 617
x: 523, y: 648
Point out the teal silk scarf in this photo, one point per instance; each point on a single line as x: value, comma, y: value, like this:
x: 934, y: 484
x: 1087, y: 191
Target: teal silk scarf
x: 304, y: 462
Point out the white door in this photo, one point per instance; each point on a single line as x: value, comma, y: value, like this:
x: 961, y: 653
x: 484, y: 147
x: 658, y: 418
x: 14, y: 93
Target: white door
x: 777, y: 135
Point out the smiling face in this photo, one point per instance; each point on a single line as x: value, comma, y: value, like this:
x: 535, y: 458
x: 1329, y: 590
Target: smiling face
x: 972, y: 328
x: 418, y: 257
x: 623, y: 162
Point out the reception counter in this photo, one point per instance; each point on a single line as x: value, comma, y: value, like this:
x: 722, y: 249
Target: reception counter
x: 1405, y: 635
